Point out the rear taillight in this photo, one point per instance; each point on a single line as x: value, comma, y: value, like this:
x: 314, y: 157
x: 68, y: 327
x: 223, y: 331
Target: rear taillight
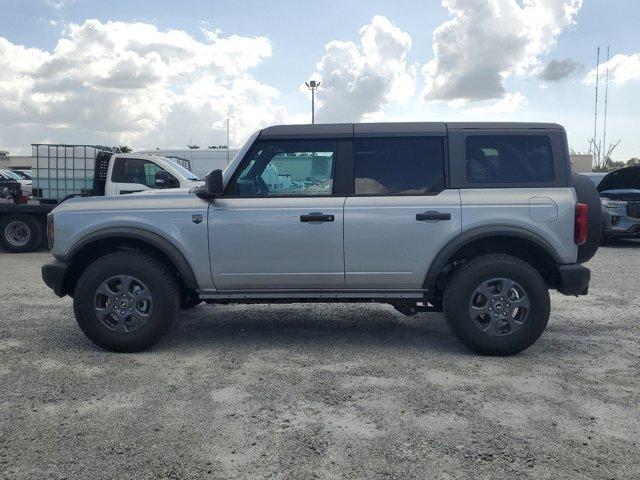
x: 580, y: 228
x: 51, y: 229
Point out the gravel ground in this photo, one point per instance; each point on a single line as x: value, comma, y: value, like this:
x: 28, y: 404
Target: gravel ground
x: 321, y: 391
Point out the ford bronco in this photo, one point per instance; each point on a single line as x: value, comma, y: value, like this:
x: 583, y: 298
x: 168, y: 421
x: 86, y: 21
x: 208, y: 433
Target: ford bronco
x: 478, y: 220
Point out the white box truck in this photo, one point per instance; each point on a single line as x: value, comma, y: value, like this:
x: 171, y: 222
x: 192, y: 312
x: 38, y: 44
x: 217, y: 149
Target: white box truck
x: 199, y: 160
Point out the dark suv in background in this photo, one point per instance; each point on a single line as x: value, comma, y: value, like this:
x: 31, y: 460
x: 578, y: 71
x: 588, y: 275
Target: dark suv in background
x: 620, y: 197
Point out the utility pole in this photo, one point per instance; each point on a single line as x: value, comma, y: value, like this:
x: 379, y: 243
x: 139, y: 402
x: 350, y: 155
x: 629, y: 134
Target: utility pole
x: 606, y: 95
x: 595, y: 117
x: 313, y: 86
x: 595, y: 120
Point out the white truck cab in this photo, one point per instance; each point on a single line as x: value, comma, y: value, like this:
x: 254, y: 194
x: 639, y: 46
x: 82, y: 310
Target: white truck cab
x: 130, y: 173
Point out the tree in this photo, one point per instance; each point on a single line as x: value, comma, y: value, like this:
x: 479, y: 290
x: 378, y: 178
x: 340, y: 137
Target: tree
x: 193, y: 147
x: 633, y: 162
x: 602, y: 162
x: 122, y: 149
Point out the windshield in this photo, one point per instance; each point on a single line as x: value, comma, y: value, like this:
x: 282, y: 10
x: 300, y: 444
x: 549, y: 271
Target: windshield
x: 228, y: 172
x: 10, y: 174
x: 185, y: 173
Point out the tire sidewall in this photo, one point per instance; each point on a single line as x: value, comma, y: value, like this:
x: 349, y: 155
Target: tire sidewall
x: 149, y: 272
x: 35, y: 231
x: 457, y: 306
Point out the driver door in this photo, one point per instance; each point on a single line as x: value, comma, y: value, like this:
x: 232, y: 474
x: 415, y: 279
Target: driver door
x: 280, y: 223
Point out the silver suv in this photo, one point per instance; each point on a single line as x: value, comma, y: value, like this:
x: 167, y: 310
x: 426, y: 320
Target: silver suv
x: 477, y: 220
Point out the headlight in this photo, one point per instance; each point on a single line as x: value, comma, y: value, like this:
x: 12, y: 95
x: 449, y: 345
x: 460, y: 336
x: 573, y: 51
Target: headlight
x: 607, y: 202
x: 51, y: 229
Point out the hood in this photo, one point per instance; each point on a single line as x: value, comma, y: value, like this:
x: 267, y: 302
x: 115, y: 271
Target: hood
x: 166, y: 191
x: 627, y: 179
x: 627, y: 195
x: 149, y: 200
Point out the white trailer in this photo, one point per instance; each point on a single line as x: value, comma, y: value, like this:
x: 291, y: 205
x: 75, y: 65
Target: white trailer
x: 201, y: 160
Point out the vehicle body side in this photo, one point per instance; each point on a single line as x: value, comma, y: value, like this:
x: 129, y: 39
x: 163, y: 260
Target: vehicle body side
x: 519, y: 215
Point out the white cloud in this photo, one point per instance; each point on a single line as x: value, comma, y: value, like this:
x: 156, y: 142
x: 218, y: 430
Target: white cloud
x: 488, y: 41
x: 622, y: 69
x: 511, y: 102
x: 359, y: 80
x: 119, y: 82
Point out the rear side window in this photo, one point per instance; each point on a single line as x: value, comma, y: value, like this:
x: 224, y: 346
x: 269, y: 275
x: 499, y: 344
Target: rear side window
x: 509, y: 159
x: 399, y: 166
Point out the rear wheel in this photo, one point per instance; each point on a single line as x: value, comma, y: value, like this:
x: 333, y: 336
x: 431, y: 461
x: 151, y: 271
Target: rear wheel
x: 20, y: 233
x: 497, y: 304
x: 125, y: 301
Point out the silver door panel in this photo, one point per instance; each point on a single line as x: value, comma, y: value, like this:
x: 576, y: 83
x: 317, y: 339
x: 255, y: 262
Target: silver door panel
x: 261, y: 243
x: 386, y: 247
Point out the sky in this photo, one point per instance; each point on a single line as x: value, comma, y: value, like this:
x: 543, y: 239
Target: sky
x: 166, y: 74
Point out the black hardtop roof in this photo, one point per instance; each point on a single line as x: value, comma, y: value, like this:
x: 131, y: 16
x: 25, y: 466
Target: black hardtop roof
x: 394, y: 128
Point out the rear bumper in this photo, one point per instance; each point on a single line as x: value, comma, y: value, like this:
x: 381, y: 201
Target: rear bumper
x: 574, y: 279
x: 53, y: 274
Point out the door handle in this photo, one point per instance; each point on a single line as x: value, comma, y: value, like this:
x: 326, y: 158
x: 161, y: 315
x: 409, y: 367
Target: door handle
x: 316, y: 217
x: 437, y: 216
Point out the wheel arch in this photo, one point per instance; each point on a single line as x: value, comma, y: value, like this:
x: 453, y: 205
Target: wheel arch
x: 516, y: 241
x: 102, y: 242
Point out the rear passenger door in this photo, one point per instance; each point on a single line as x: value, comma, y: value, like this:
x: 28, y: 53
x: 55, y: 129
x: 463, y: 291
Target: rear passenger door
x: 401, y: 214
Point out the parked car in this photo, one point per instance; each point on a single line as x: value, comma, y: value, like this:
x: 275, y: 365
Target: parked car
x: 620, y: 196
x: 478, y: 220
x: 25, y: 185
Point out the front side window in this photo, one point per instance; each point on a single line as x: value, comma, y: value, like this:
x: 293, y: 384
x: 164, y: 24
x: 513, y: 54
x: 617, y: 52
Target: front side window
x: 399, y: 166
x: 288, y: 168
x: 135, y: 170
x: 509, y: 159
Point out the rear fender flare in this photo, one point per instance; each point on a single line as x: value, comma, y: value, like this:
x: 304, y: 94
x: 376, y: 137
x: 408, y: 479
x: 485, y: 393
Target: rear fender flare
x: 444, y: 256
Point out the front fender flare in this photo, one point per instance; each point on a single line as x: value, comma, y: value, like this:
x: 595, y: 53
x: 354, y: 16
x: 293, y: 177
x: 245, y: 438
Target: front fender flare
x: 157, y: 241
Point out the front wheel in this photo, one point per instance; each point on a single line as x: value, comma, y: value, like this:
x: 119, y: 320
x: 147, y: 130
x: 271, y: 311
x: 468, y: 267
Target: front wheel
x: 126, y: 301
x: 497, y: 304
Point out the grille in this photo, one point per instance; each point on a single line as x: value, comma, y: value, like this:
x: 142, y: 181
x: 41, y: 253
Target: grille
x: 633, y: 209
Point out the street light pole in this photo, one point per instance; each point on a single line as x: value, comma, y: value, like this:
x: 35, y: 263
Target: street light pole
x: 313, y: 86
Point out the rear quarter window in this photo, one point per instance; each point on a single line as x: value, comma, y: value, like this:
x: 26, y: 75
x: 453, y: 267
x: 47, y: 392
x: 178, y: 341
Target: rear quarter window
x: 509, y: 159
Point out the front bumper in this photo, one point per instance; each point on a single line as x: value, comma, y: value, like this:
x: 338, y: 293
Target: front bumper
x: 574, y: 279
x: 616, y: 223
x: 53, y: 274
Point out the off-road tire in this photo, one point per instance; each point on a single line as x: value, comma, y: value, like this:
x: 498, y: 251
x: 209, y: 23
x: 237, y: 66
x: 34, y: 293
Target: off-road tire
x: 34, y: 228
x: 155, y: 275
x: 462, y: 286
x: 189, y: 301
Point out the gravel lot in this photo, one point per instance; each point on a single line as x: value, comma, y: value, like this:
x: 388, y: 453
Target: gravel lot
x: 321, y: 391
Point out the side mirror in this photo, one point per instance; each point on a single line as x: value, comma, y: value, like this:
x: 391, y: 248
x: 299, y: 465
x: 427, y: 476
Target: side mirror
x: 162, y: 179
x: 213, y: 183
